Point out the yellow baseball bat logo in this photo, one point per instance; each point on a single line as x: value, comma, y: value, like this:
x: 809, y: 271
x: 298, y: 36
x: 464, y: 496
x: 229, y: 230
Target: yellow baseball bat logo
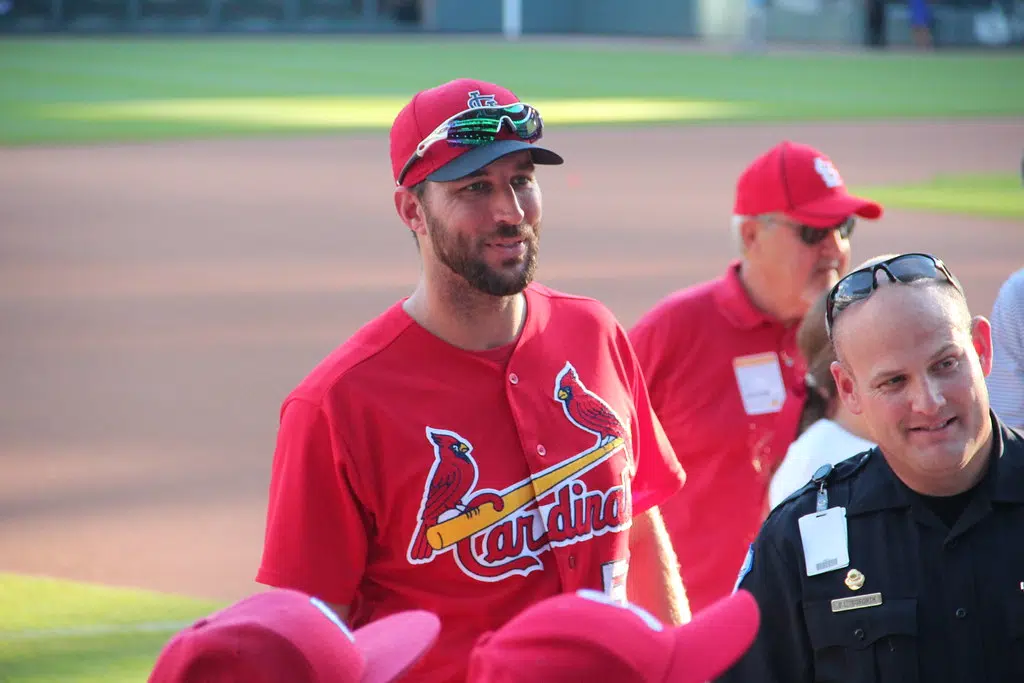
x: 452, y: 531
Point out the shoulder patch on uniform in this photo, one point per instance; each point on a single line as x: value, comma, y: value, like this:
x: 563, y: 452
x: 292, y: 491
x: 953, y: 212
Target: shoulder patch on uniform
x: 748, y: 564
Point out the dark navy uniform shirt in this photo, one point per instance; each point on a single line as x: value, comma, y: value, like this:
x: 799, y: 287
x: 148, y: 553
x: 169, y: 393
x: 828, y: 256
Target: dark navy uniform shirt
x: 952, y: 600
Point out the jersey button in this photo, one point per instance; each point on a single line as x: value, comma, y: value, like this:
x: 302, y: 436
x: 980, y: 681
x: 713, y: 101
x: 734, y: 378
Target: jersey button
x: 758, y: 465
x: 513, y: 378
x: 572, y: 562
x: 541, y: 451
x: 961, y: 613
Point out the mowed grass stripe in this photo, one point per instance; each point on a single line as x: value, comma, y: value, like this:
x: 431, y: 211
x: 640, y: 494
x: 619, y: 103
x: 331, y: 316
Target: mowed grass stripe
x: 987, y: 195
x: 368, y: 112
x: 57, y: 630
x: 36, y: 75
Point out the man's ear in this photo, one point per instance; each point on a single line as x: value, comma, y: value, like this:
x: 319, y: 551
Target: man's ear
x: 846, y: 388
x: 410, y: 209
x: 981, y: 337
x: 750, y: 228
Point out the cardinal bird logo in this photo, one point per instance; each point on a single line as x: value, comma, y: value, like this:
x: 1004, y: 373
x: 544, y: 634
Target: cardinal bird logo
x: 452, y: 477
x: 586, y: 409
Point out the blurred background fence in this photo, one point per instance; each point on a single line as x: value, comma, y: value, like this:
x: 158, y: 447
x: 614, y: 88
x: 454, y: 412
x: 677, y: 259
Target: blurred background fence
x: 959, y: 23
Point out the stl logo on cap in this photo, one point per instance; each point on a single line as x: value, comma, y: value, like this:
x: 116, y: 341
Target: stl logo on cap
x: 476, y: 100
x: 828, y: 172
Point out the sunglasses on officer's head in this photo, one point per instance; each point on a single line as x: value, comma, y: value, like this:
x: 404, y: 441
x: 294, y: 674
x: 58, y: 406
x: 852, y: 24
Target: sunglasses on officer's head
x: 481, y: 126
x: 811, y: 235
x: 859, y: 284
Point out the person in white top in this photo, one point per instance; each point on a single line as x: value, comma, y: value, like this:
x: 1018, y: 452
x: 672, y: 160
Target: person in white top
x: 1006, y: 381
x: 828, y: 431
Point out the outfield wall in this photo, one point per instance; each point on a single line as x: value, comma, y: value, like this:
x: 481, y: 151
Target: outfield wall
x: 826, y: 22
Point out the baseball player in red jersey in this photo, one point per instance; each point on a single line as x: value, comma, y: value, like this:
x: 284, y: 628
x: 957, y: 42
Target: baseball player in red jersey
x: 721, y: 362
x: 487, y: 442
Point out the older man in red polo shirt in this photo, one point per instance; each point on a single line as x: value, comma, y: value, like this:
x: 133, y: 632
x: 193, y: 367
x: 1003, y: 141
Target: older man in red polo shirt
x: 721, y: 360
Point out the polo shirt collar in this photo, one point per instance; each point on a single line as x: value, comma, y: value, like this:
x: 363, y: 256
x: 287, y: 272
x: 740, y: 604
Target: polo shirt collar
x: 735, y: 303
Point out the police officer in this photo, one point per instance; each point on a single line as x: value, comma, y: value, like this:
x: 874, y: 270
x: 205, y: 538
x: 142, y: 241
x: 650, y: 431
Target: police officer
x: 903, y: 564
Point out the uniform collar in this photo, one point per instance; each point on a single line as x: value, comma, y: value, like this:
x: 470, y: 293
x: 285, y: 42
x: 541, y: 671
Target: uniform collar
x: 881, y: 490
x: 735, y: 303
x: 878, y: 489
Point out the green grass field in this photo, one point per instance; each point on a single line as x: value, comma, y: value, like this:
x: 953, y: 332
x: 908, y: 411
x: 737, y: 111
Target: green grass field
x: 995, y: 196
x: 82, y: 89
x: 55, y: 631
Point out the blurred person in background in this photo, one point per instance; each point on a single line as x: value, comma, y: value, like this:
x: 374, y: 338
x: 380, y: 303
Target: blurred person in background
x: 486, y: 442
x: 1006, y: 381
x: 829, y: 432
x: 721, y: 361
x: 875, y: 34
x: 922, y: 23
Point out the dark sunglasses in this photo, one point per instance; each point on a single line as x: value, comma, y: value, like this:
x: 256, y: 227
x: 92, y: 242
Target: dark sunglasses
x: 480, y: 126
x: 904, y: 268
x: 811, y: 236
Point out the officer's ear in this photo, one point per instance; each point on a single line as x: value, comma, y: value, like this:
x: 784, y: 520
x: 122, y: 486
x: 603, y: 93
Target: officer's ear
x: 981, y: 337
x: 846, y: 388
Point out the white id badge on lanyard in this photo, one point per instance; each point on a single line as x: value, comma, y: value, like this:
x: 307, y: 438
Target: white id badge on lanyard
x: 824, y: 538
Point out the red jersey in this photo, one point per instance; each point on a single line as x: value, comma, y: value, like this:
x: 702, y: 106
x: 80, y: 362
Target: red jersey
x: 412, y: 474
x: 727, y: 382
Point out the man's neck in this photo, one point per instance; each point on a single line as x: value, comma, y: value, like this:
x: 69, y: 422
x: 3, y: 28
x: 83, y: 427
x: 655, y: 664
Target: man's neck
x: 967, y: 478
x: 850, y: 422
x: 465, y: 317
x: 759, y: 289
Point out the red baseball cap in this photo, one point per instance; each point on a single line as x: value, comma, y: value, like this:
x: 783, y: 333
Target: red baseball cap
x: 428, y: 109
x: 283, y: 636
x: 584, y: 636
x: 802, y: 183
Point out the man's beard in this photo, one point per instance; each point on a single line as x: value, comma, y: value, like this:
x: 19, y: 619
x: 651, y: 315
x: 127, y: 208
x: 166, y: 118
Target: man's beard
x: 463, y: 256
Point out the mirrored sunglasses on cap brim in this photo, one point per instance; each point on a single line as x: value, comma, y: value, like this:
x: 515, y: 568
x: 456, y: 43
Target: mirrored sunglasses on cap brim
x: 481, y: 126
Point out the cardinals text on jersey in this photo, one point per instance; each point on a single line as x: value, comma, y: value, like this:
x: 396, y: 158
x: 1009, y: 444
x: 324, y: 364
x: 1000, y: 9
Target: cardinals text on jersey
x: 494, y: 534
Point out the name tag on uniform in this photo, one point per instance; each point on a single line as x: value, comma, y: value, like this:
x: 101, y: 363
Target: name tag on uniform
x: 858, y: 602
x: 760, y: 381
x: 823, y: 535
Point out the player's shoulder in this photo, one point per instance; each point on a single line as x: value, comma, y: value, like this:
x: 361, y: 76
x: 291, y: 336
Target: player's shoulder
x: 567, y: 304
x: 803, y: 500
x: 358, y: 353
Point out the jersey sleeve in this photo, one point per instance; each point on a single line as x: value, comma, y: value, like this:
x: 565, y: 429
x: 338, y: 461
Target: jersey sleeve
x: 781, y: 652
x: 659, y: 474
x: 316, y: 539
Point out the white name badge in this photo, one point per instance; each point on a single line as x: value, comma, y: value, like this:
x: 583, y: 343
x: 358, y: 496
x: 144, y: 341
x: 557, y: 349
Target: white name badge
x: 760, y: 381
x: 613, y: 576
x: 826, y: 546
